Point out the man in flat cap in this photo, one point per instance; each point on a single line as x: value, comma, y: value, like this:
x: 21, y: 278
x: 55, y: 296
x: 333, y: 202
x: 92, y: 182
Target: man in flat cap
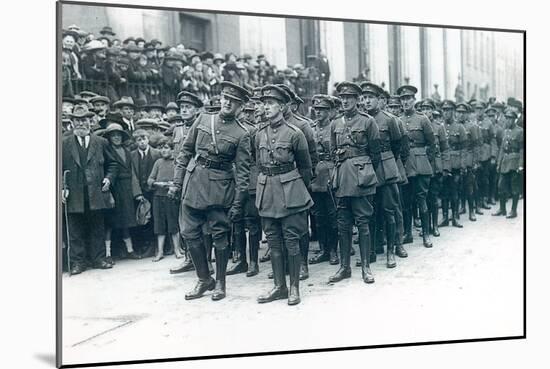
x: 90, y: 171
x: 456, y: 136
x: 422, y: 144
x: 215, y: 158
x: 101, y: 105
x: 440, y: 164
x: 510, y: 164
x: 387, y: 191
x: 282, y: 197
x: 305, y: 125
x: 126, y: 108
x: 355, y: 141
x: 324, y: 207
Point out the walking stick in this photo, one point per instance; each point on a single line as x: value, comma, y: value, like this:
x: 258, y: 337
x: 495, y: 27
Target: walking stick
x: 67, y: 222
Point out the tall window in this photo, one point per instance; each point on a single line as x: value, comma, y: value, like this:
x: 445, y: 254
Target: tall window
x: 193, y: 32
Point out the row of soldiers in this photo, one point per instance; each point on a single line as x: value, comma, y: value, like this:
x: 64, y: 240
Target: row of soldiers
x: 368, y: 160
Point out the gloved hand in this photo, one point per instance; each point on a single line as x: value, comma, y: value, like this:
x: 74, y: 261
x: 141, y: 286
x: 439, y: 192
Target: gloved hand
x: 236, y: 211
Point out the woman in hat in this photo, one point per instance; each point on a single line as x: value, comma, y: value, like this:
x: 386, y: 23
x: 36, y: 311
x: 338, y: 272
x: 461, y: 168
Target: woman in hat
x: 126, y: 190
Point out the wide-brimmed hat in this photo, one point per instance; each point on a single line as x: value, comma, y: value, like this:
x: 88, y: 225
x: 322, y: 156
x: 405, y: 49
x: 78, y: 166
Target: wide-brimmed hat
x: 93, y: 45
x: 69, y: 32
x: 98, y: 98
x: 218, y: 56
x: 107, y: 31
x: 115, y: 127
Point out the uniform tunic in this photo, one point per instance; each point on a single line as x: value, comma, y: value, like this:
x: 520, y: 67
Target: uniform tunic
x: 422, y: 141
x: 510, y: 159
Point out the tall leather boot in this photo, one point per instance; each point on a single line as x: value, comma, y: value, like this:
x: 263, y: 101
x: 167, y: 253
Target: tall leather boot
x: 322, y: 236
x: 374, y: 238
x: 390, y: 247
x: 205, y: 282
x: 478, y: 204
x: 364, y: 249
x: 304, y: 251
x: 222, y: 257
x: 462, y: 206
x: 471, y: 210
x: 279, y: 290
x: 332, y: 245
x: 502, y: 209
x: 186, y: 265
x: 445, y: 211
x: 424, y: 218
x: 241, y: 266
x: 407, y: 225
x: 253, y: 247
x: 345, y: 246
x: 380, y: 238
x: 208, y: 245
x: 435, y: 225
x: 294, y: 268
x: 514, y: 211
x: 454, y: 221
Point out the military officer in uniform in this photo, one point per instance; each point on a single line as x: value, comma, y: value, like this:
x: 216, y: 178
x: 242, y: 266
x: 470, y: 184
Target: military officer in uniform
x: 510, y: 164
x: 496, y: 130
x: 487, y: 135
x: 213, y: 192
x: 422, y: 144
x: 190, y: 106
x: 355, y: 141
x: 387, y: 191
x: 305, y: 125
x: 440, y: 164
x: 282, y: 197
x: 324, y: 208
x: 456, y: 136
x: 469, y: 157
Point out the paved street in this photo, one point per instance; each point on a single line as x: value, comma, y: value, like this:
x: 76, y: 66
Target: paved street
x: 469, y: 285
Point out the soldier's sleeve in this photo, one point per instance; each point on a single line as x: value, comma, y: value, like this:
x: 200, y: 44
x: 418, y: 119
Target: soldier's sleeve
x: 428, y: 136
x: 476, y: 135
x: 333, y: 138
x: 493, y: 141
x: 243, y: 160
x: 405, y: 145
x: 463, y: 142
x: 395, y: 137
x: 186, y: 153
x: 311, y: 144
x: 302, y: 157
x: 373, y: 137
x: 444, y: 148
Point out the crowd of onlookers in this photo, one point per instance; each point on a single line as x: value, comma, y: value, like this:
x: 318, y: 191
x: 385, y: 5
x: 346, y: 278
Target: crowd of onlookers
x: 150, y: 71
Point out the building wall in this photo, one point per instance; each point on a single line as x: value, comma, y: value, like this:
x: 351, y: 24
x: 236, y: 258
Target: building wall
x: 410, y: 62
x: 435, y: 67
x: 378, y: 53
x: 353, y: 49
x: 332, y: 44
x: 293, y: 41
x: 264, y: 35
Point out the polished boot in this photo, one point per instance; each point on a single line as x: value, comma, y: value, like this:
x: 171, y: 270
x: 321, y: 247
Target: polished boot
x: 502, y: 210
x: 185, y: 266
x: 324, y: 254
x: 208, y: 246
x: 253, y: 247
x: 222, y: 257
x: 280, y: 290
x: 390, y: 247
x: 478, y: 206
x: 407, y: 225
x: 304, y: 251
x: 332, y: 244
x: 345, y: 246
x: 471, y: 210
x: 435, y: 226
x: 445, y: 211
x: 374, y: 238
x: 424, y: 218
x: 484, y: 204
x: 462, y: 206
x: 266, y: 256
x: 364, y: 249
x: 205, y: 282
x: 514, y: 211
x: 454, y: 220
x: 380, y: 239
x: 240, y: 266
x: 294, y: 268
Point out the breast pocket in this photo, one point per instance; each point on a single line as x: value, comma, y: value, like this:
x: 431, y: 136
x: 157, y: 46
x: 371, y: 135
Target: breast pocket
x: 227, y: 145
x: 204, y: 139
x: 366, y: 176
x: 359, y: 136
x: 283, y: 151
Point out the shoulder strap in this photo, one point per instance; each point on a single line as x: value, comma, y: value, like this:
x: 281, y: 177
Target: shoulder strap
x: 242, y: 126
x: 213, y: 132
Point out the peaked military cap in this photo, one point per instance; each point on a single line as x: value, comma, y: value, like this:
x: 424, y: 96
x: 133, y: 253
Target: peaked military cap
x: 385, y: 94
x: 348, y: 88
x: 256, y: 93
x: 498, y: 105
x: 510, y: 114
x: 215, y: 102
x: 428, y: 102
x: 249, y: 106
x: 275, y: 92
x: 436, y: 113
x: 372, y: 88
x: 234, y: 91
x: 68, y: 100
x: 448, y: 104
x: 406, y: 90
x: 172, y: 105
x: 479, y: 105
x: 490, y: 109
x: 336, y: 100
x: 186, y: 96
x: 322, y: 101
x: 394, y: 101
x: 463, y: 107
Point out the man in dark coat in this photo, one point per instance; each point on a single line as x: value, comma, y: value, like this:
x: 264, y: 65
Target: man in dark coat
x: 90, y: 173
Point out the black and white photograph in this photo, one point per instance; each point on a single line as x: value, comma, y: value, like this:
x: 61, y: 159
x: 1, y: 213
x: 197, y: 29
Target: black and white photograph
x: 235, y: 184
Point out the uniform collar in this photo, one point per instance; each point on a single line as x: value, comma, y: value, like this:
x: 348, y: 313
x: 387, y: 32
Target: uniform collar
x: 374, y: 111
x: 277, y: 123
x: 409, y: 113
x: 351, y: 113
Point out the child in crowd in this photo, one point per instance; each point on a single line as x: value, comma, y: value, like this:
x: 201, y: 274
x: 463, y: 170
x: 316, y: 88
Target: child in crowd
x: 165, y: 210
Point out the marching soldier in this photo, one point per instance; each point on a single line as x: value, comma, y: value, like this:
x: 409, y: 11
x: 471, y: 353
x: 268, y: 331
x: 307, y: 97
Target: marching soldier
x: 355, y: 141
x: 324, y: 207
x: 387, y: 191
x: 456, y: 136
x: 305, y: 125
x: 212, y: 193
x: 282, y: 197
x: 422, y: 144
x: 510, y: 165
x: 469, y: 157
x: 440, y: 164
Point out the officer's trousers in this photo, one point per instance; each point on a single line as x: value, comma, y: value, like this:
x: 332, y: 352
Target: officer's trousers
x: 493, y: 181
x: 482, y: 176
x: 286, y: 232
x: 324, y: 211
x: 192, y: 221
x: 509, y: 184
x: 434, y: 190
